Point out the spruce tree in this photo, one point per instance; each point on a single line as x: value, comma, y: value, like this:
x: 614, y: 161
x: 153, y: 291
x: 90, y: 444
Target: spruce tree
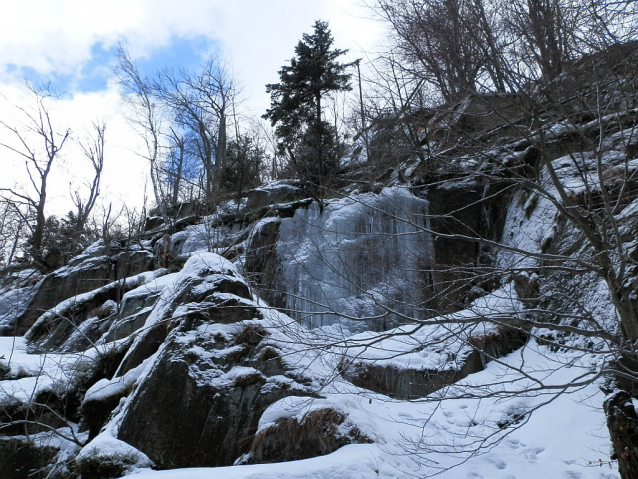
x: 296, y: 105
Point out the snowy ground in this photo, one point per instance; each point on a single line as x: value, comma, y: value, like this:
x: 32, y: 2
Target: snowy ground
x: 565, y: 437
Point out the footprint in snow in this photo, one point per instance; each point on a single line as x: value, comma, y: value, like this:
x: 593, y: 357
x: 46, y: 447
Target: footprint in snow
x: 573, y: 475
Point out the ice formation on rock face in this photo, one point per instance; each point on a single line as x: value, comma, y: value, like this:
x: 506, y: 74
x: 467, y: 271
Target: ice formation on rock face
x: 363, y: 256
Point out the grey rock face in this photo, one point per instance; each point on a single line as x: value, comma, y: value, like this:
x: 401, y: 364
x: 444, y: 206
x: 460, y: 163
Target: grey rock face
x: 278, y: 192
x: 262, y: 262
x: 86, y: 273
x: 79, y: 321
x: 213, y: 378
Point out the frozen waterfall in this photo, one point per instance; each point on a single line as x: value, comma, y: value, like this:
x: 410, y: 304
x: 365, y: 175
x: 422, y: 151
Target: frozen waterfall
x: 363, y: 257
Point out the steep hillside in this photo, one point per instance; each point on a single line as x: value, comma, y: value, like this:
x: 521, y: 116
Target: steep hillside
x: 465, y: 313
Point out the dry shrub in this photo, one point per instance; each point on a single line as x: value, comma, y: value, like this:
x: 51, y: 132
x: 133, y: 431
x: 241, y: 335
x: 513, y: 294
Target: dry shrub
x: 289, y: 430
x: 252, y: 334
x: 503, y: 338
x: 320, y: 423
x: 100, y: 466
x: 103, y: 311
x: 268, y: 354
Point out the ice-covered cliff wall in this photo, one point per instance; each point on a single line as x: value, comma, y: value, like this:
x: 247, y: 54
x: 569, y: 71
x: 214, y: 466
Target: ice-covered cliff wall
x: 362, y: 257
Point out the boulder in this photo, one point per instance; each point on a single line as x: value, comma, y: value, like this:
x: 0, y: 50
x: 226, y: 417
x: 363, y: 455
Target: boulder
x: 320, y: 432
x: 214, y: 371
x: 205, y: 279
x: 201, y: 402
x: 283, y: 191
x: 414, y: 383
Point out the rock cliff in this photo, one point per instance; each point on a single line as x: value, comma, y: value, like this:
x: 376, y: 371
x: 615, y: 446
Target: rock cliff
x: 286, y: 331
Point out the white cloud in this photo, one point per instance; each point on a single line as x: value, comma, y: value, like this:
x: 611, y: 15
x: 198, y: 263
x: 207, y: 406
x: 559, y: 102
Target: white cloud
x: 124, y: 175
x: 56, y: 36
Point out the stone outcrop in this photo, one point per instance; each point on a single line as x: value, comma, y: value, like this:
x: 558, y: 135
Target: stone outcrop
x: 222, y: 370
x: 216, y: 398
x: 100, y: 265
x: 78, y: 322
x: 470, y: 210
x: 318, y: 433
x: 284, y: 191
x: 414, y: 383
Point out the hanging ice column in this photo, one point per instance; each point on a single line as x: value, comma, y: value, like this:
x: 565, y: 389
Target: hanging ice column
x: 363, y: 256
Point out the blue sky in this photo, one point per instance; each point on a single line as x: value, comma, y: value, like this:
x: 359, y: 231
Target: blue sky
x: 94, y: 74
x: 72, y: 44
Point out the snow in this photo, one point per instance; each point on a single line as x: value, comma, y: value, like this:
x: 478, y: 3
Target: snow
x: 153, y: 285
x: 105, y: 388
x: 279, y: 185
x: 629, y: 211
x: 107, y: 446
x: 207, y: 269
x: 205, y: 237
x: 559, y: 435
x: 525, y: 231
x: 42, y: 372
x: 431, y: 346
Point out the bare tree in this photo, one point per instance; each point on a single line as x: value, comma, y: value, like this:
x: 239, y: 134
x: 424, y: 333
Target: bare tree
x: 440, y: 42
x: 145, y: 115
x: 546, y: 31
x: 94, y: 152
x: 175, y: 167
x: 36, y: 126
x: 200, y: 105
x: 467, y: 46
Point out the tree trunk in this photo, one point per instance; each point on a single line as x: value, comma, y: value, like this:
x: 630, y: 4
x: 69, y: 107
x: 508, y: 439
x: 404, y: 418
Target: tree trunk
x: 319, y: 133
x: 220, y: 152
x: 178, y: 174
x: 38, y: 231
x: 622, y: 421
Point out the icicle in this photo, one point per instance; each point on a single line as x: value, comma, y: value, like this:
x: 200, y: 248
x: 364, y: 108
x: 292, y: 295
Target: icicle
x: 356, y: 258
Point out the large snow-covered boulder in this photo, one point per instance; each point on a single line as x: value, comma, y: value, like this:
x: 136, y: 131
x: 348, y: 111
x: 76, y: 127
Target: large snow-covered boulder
x: 208, y: 387
x: 200, y: 373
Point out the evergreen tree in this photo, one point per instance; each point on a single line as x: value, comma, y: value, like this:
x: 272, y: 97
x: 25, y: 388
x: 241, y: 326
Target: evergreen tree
x: 244, y: 161
x: 296, y: 105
